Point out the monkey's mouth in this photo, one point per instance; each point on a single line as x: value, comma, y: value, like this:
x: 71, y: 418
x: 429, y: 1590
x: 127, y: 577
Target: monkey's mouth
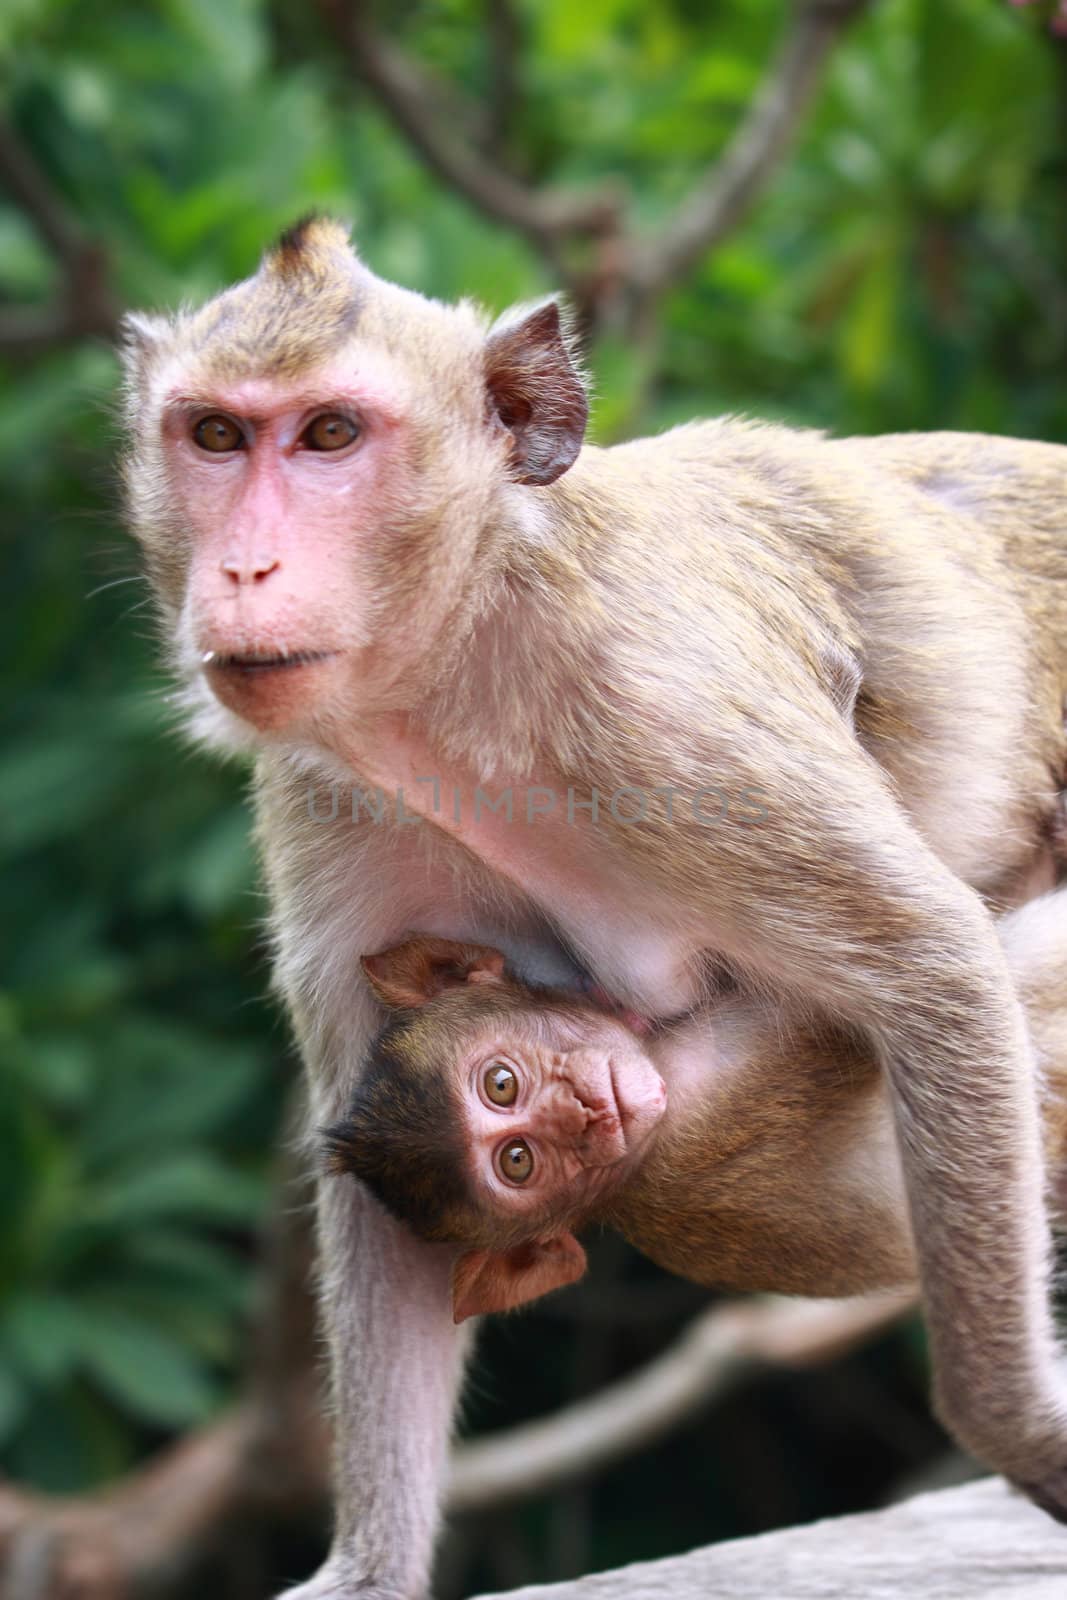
x: 253, y: 663
x: 604, y: 1142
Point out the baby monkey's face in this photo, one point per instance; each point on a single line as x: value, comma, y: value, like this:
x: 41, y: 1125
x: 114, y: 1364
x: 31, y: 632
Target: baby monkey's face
x: 495, y: 1116
x: 557, y: 1103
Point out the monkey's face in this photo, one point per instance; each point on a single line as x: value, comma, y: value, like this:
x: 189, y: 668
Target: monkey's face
x: 558, y: 1107
x: 324, y: 473
x: 303, y: 518
x: 543, y: 1099
x: 283, y: 491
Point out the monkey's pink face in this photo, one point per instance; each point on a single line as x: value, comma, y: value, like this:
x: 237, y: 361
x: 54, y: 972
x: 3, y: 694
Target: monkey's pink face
x: 284, y: 494
x: 555, y: 1119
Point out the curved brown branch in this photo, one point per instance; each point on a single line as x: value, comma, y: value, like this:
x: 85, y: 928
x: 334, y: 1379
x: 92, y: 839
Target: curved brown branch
x: 628, y: 274
x: 269, y: 1459
x: 718, y: 204
x: 543, y: 215
x: 714, y: 1353
x: 85, y: 304
x: 27, y: 184
x: 504, y: 37
x: 112, y: 1545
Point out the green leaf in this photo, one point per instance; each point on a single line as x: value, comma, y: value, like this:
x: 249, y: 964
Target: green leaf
x: 144, y: 1370
x: 42, y: 1334
x: 870, y: 326
x: 187, y: 1186
x: 171, y: 1086
x: 200, y: 1268
x: 14, y: 1399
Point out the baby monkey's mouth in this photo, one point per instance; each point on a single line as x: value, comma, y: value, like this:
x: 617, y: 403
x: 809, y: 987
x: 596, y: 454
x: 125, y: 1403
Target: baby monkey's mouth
x: 251, y: 662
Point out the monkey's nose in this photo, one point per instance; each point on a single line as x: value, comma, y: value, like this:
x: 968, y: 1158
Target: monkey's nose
x: 250, y: 569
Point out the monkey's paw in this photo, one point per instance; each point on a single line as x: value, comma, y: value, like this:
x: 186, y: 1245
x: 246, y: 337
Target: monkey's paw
x: 1050, y: 1493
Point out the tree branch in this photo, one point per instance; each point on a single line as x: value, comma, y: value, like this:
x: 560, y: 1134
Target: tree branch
x: 504, y: 36
x: 269, y: 1459
x: 84, y: 305
x: 543, y: 215
x: 718, y: 1350
x: 629, y: 274
x: 983, y: 1541
x: 769, y: 126
x: 28, y: 185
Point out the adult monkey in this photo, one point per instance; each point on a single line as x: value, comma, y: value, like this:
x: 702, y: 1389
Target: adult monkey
x: 375, y: 566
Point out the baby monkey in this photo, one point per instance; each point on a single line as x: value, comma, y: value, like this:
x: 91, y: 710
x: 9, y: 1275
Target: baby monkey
x: 741, y: 1148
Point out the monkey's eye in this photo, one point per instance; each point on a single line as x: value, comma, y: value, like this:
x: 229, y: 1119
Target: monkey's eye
x: 501, y: 1085
x: 330, y: 431
x: 218, y: 433
x: 516, y: 1161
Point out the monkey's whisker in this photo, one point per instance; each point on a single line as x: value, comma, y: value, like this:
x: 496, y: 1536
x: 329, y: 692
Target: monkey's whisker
x: 114, y: 583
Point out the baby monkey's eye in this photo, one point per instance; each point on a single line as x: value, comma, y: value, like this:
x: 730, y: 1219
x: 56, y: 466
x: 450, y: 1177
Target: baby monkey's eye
x: 501, y: 1084
x: 330, y: 431
x: 516, y: 1161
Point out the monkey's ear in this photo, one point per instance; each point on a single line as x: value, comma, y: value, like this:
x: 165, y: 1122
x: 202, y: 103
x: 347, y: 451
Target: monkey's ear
x: 536, y: 392
x: 411, y: 974
x: 501, y: 1280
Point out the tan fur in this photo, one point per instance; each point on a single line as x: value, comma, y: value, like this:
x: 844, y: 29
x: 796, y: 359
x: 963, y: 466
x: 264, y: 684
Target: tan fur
x: 872, y: 634
x: 784, y: 1176
x: 303, y: 302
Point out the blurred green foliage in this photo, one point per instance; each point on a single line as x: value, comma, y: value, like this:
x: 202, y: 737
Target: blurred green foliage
x: 906, y: 269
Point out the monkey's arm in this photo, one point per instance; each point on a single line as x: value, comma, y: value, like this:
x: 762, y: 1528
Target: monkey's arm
x: 396, y: 1362
x: 396, y: 1358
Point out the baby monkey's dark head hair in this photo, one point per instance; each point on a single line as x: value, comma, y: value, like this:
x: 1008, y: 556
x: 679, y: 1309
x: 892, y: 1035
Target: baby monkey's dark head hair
x: 403, y: 1132
x: 401, y: 1135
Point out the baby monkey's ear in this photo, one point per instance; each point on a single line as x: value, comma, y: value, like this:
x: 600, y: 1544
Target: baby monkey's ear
x: 414, y: 972
x: 501, y: 1280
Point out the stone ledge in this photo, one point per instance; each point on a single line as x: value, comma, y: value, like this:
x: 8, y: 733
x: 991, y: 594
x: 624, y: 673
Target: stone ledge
x: 981, y: 1540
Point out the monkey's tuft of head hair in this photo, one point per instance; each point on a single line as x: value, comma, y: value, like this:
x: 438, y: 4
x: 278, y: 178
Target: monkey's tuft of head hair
x: 297, y: 311
x: 402, y: 1136
x: 308, y: 246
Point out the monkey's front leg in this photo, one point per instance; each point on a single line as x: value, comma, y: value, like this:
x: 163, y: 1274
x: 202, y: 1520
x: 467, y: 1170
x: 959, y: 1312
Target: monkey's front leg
x: 340, y: 891
x: 396, y: 1362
